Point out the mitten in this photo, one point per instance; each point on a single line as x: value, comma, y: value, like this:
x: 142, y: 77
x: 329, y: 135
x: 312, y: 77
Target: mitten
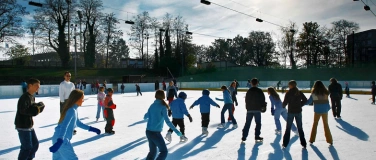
x: 272, y: 110
x: 169, y: 113
x: 191, y: 107
x: 110, y: 103
x: 56, y: 146
x: 190, y: 118
x: 96, y: 130
x: 40, y: 105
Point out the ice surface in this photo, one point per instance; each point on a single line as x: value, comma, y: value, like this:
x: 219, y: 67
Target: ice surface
x: 353, y: 135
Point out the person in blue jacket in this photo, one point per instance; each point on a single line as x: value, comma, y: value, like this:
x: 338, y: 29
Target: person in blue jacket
x: 178, y: 110
x: 319, y: 97
x: 61, y: 140
x: 157, y: 113
x: 227, y: 107
x: 205, y: 101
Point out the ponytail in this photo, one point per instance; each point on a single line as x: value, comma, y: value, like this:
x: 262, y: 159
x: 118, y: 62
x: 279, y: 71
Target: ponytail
x: 159, y: 94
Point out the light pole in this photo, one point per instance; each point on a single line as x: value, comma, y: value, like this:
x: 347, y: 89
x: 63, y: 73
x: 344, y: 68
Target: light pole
x: 147, y: 49
x: 80, y: 17
x: 75, y: 49
x: 32, y: 29
x: 183, y: 54
x: 69, y: 2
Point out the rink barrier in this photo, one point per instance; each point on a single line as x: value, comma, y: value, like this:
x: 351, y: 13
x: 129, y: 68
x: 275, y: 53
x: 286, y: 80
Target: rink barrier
x: 15, y: 91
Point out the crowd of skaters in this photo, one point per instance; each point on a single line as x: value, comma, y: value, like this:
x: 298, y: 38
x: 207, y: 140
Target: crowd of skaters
x: 71, y: 97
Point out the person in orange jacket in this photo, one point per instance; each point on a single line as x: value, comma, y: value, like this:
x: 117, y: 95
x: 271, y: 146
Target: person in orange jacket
x: 108, y: 112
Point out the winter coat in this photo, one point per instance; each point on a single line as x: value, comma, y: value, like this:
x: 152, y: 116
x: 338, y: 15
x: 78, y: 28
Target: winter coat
x: 205, y: 101
x: 295, y: 99
x: 320, y: 103
x: 254, y: 99
x: 157, y: 113
x: 335, y: 90
x: 171, y: 92
x: 25, y: 112
x: 178, y: 108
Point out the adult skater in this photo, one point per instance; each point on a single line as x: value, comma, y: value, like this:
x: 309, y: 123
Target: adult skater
x: 171, y: 92
x: 373, y: 91
x: 26, y: 110
x: 227, y: 107
x: 295, y: 99
x: 335, y: 90
x: 65, y: 88
x: 157, y: 113
x: 254, y: 101
x: 61, y: 140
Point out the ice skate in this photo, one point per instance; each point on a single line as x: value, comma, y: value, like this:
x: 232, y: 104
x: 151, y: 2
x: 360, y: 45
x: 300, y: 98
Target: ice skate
x: 338, y: 117
x: 277, y: 131
x: 110, y: 132
x: 234, y: 126
x: 97, y: 120
x: 304, y: 146
x: 205, y: 131
x: 259, y: 139
x: 222, y: 125
x: 183, y: 139
x: 168, y: 137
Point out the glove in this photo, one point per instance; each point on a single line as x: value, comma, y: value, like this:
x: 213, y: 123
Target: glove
x: 218, y: 106
x: 41, y: 106
x: 178, y: 133
x: 236, y: 103
x: 190, y: 118
x: 169, y: 113
x: 113, y: 106
x: 272, y: 110
x: 96, y: 130
x: 56, y: 146
x: 191, y: 107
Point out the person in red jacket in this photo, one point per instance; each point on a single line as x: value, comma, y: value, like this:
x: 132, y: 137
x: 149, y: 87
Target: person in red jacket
x: 108, y: 112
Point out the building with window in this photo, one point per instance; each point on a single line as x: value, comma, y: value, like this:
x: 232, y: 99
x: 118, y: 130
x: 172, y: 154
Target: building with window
x: 363, y: 45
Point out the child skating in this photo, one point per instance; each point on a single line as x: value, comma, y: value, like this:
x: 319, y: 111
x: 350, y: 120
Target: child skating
x: 227, y: 107
x: 205, y: 101
x: 108, y: 112
x: 171, y: 92
x: 233, y: 92
x: 178, y: 109
x: 100, y: 107
x: 278, y: 111
x: 156, y: 114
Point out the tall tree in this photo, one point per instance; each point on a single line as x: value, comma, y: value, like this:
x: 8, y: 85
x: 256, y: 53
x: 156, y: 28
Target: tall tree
x: 340, y: 30
x: 10, y: 20
x: 307, y: 43
x: 52, y: 21
x: 261, y: 48
x: 141, y: 27
x: 119, y: 50
x: 168, y: 52
x: 19, y: 53
x: 91, y: 12
x: 111, y: 31
x: 288, y: 41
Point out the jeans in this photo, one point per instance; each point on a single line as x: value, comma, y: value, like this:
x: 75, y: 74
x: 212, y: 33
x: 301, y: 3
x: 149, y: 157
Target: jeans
x: 180, y: 123
x: 233, y: 110
x: 277, y: 114
x: 336, y: 107
x: 139, y: 92
x: 99, y: 109
x: 65, y: 151
x: 29, y: 144
x: 290, y: 119
x: 316, y: 119
x: 250, y: 115
x: 156, y: 140
x: 205, y: 119
x: 227, y: 107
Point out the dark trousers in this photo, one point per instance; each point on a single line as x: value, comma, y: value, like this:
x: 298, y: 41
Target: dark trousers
x: 373, y: 98
x: 139, y: 92
x: 29, y: 144
x: 298, y: 120
x: 164, y: 87
x: 250, y: 115
x: 205, y: 119
x: 180, y: 123
x: 62, y: 106
x: 336, y: 107
x: 109, y: 114
x: 170, y: 99
x: 227, y: 107
x: 122, y: 91
x: 156, y: 140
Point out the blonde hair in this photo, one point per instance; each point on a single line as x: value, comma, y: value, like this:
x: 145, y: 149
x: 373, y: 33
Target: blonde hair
x: 101, y: 89
x: 159, y: 94
x: 74, y: 96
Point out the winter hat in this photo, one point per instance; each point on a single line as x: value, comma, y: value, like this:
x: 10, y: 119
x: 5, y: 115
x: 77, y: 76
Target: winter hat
x: 182, y: 95
x: 205, y: 92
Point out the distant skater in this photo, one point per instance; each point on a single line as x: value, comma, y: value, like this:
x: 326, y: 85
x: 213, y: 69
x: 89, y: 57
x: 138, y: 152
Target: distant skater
x: 373, y: 91
x: 100, y: 107
x: 335, y: 90
x: 138, y: 89
x: 171, y: 92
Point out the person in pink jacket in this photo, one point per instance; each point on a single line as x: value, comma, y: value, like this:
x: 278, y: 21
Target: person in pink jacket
x: 100, y: 97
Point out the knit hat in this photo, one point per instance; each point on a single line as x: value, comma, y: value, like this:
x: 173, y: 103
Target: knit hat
x: 205, y: 92
x: 182, y: 95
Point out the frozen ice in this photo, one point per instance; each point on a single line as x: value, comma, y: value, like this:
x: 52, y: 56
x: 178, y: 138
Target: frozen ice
x: 353, y: 134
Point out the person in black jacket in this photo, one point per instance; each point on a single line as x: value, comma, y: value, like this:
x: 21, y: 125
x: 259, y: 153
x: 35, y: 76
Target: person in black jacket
x: 254, y: 100
x: 335, y: 90
x: 138, y: 89
x: 373, y: 91
x: 295, y: 99
x: 26, y: 109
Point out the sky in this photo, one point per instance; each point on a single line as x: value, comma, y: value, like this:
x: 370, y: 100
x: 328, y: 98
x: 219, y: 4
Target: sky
x: 220, y: 22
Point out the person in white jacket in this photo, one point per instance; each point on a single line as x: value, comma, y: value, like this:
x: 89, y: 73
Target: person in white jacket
x: 65, y: 88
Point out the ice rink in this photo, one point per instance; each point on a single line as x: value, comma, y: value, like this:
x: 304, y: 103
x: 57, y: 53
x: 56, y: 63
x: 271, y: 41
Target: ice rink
x: 353, y: 134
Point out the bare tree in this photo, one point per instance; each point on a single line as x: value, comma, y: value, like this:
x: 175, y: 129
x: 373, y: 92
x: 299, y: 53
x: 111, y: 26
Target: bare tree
x: 288, y: 41
x: 141, y: 26
x: 111, y: 31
